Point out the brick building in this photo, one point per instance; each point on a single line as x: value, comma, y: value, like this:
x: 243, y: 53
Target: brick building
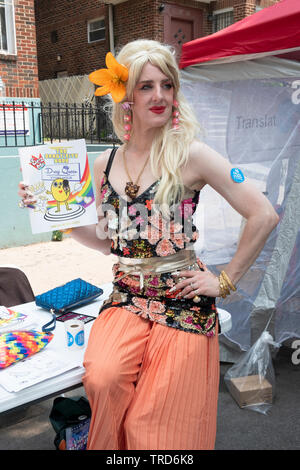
x: 74, y: 36
x: 18, y: 56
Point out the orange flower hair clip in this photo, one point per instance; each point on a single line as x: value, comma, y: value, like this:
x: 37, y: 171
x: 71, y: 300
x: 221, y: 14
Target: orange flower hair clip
x: 111, y: 80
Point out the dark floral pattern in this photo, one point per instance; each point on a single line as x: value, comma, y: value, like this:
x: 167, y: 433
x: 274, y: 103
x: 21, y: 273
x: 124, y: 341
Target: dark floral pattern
x: 156, y: 302
x: 139, y: 232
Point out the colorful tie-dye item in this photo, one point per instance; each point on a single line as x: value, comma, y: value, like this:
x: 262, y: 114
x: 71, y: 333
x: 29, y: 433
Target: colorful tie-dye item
x: 18, y: 345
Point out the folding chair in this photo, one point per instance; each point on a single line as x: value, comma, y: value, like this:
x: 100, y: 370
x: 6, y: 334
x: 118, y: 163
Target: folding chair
x: 15, y: 288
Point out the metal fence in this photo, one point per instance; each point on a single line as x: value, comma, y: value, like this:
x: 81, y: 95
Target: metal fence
x: 27, y: 124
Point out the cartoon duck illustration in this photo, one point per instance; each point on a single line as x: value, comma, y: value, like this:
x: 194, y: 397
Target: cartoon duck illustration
x: 60, y: 190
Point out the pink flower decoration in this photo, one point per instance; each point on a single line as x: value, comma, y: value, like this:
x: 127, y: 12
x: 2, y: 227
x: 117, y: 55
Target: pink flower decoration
x: 155, y: 281
x: 151, y: 292
x: 146, y: 307
x: 132, y: 210
x: 139, y: 220
x: 164, y: 248
x: 135, y: 290
x: 186, y: 207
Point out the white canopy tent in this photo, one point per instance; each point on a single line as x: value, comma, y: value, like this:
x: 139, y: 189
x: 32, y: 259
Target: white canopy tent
x: 248, y: 103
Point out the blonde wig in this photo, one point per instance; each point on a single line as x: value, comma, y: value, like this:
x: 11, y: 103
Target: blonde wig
x: 170, y: 148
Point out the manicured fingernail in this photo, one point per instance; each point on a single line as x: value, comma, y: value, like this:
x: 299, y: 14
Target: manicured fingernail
x: 30, y: 201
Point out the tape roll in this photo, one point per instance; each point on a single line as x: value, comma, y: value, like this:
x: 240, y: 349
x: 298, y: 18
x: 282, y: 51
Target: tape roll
x: 74, y: 334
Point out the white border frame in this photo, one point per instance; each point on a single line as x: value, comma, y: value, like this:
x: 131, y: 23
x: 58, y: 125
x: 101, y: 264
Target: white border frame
x: 102, y: 18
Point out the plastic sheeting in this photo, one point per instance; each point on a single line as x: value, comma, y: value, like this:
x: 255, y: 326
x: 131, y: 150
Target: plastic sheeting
x: 255, y: 123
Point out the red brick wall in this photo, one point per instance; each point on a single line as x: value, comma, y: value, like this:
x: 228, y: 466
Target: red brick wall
x: 241, y: 8
x: 220, y: 4
x: 136, y: 19
x: 142, y: 19
x: 132, y: 20
x: 69, y: 19
x: 19, y: 73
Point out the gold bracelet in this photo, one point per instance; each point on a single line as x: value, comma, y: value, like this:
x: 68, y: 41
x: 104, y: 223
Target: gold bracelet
x: 225, y: 285
x: 224, y: 289
x: 228, y: 281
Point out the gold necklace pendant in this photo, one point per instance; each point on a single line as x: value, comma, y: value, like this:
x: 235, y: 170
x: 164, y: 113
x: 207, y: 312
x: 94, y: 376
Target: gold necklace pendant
x: 131, y: 189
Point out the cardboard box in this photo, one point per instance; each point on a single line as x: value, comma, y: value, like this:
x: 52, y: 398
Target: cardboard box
x: 250, y: 390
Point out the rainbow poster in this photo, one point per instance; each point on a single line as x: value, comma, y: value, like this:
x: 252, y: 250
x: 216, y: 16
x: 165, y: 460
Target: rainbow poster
x: 59, y: 178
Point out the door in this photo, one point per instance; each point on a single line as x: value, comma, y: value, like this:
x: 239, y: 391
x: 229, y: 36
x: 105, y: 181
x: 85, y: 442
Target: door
x: 182, y: 24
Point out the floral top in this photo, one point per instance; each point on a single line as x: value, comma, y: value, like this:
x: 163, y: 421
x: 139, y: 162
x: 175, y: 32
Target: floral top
x: 138, y: 230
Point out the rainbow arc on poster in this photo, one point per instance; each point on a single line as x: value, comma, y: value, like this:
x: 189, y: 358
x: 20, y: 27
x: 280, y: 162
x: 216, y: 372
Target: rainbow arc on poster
x: 86, y: 192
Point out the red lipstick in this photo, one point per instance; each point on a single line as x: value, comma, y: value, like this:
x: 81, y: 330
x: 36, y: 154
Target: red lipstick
x: 158, y: 109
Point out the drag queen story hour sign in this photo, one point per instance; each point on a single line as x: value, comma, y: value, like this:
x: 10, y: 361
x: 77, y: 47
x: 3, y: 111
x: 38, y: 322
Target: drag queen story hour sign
x: 59, y: 178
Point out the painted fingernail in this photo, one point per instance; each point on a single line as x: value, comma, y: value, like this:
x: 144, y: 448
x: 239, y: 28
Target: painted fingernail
x: 30, y: 201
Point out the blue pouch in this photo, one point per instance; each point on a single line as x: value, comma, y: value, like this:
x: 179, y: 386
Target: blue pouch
x: 71, y: 295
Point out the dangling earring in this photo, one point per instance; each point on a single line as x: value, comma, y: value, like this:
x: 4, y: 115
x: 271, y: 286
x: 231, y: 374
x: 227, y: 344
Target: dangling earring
x: 175, y: 114
x: 127, y: 119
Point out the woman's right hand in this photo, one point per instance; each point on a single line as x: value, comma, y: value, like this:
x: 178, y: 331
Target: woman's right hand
x: 27, y: 197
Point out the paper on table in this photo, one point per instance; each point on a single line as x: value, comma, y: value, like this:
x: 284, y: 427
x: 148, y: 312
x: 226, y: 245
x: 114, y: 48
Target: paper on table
x: 32, y: 370
x: 10, y: 318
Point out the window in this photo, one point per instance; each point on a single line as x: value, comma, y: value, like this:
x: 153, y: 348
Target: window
x: 61, y: 74
x: 7, y: 27
x: 222, y: 19
x: 96, y: 30
x: 54, y: 37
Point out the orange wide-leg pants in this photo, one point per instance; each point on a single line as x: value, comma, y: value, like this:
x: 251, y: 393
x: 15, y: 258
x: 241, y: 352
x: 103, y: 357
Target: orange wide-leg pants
x: 150, y: 386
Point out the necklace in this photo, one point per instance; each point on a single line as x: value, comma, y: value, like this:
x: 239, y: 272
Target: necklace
x: 131, y: 189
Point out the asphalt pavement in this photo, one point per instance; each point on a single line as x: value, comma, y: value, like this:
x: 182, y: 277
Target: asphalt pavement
x: 29, y: 428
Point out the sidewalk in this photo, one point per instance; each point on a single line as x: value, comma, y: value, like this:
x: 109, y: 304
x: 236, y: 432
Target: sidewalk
x: 50, y: 264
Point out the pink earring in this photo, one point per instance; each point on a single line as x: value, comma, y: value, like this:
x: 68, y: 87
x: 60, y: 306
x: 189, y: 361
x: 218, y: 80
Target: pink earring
x: 175, y: 114
x: 127, y: 119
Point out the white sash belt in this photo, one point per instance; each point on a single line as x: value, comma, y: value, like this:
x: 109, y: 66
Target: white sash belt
x: 156, y: 264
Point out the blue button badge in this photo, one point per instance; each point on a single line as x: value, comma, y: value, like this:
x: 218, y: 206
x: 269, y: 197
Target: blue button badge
x: 237, y: 175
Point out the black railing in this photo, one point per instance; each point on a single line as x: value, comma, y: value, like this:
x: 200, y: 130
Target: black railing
x: 26, y: 124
